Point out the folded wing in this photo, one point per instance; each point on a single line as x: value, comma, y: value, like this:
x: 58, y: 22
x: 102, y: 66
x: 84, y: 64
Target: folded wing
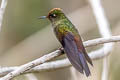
x: 76, y: 56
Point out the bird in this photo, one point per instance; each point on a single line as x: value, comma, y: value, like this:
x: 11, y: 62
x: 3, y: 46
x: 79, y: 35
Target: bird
x: 69, y: 37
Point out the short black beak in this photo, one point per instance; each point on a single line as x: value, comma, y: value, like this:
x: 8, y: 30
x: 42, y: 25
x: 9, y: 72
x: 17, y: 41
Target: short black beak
x: 42, y: 17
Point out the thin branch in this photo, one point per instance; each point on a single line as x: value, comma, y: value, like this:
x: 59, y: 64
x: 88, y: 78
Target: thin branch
x: 56, y: 53
x: 97, y: 41
x: 45, y: 58
x: 2, y: 10
x: 105, y: 31
x: 32, y: 64
x: 48, y: 66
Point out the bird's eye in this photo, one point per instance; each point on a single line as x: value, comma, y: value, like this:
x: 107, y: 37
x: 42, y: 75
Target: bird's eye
x: 53, y: 15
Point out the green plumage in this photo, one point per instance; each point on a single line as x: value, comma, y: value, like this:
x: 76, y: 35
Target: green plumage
x: 70, y: 40
x: 62, y: 23
x: 61, y: 27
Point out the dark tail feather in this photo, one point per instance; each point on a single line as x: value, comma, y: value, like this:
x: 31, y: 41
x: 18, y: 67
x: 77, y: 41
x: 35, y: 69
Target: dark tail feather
x: 88, y: 58
x: 84, y: 64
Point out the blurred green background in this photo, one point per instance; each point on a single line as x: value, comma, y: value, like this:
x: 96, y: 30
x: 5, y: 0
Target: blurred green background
x: 24, y: 37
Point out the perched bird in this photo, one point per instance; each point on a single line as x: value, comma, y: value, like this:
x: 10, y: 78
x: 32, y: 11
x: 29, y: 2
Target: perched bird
x: 70, y: 40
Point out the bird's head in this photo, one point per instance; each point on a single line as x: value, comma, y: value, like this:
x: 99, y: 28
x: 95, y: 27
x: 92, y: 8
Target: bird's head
x: 54, y: 15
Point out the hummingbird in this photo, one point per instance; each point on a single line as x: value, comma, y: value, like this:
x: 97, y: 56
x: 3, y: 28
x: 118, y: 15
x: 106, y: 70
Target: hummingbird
x: 70, y: 39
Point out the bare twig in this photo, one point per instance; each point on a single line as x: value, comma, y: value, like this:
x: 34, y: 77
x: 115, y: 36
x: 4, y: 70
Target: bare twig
x: 2, y: 10
x: 58, y: 64
x: 48, y: 66
x: 32, y: 64
x: 104, y: 29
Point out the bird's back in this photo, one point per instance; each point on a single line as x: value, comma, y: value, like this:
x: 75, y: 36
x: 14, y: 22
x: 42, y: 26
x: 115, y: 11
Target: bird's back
x: 71, y: 41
